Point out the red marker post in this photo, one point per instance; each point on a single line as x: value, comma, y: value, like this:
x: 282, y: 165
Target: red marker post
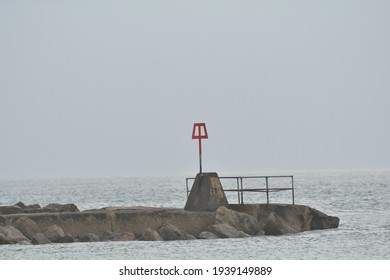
x: 199, y: 132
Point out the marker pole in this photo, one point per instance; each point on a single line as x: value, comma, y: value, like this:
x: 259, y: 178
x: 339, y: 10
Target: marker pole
x: 200, y: 150
x: 197, y: 134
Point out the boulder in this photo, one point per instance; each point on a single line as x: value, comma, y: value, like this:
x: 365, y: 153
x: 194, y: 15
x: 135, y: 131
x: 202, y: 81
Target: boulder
x: 68, y: 238
x: 207, y: 235
x: 20, y: 204
x: 291, y: 218
x: 34, y: 208
x: 2, y: 220
x: 54, y: 233
x: 24, y: 242
x: 6, y: 210
x: 151, y: 235
x: 12, y: 235
x: 126, y: 236
x: 170, y: 232
x: 107, y: 236
x: 26, y: 226
x: 39, y: 239
x: 89, y: 237
x: 57, y: 208
x: 275, y: 225
x: 2, y: 239
x: 241, y: 221
x: 320, y: 220
x: 226, y: 231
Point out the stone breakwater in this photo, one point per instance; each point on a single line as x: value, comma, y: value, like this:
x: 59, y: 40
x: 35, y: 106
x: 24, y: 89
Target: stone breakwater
x: 64, y: 223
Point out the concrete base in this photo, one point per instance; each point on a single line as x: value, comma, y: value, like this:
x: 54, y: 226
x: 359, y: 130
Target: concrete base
x: 206, y: 193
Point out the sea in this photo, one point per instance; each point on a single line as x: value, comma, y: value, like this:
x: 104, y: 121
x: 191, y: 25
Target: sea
x: 360, y: 198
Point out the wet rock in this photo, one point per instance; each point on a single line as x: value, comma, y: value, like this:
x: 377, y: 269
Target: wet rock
x: 125, y: 236
x: 39, y: 239
x: 12, y: 235
x: 2, y: 220
x: 241, y: 221
x: 320, y: 220
x: 26, y: 226
x: 68, y: 238
x: 20, y: 204
x: 54, y: 233
x: 89, y: 237
x: 34, y: 208
x: 107, y: 236
x: 170, y: 232
x: 2, y: 239
x: 207, y: 235
x: 6, y: 210
x: 151, y: 235
x: 110, y: 236
x: 226, y: 231
x: 57, y: 208
x: 24, y: 242
x: 275, y: 225
x: 18, y: 208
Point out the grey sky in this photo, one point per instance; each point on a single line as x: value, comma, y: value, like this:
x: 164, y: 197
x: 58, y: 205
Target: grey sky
x: 108, y: 88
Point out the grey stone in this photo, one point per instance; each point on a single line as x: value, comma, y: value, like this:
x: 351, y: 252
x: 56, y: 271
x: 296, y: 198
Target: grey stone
x: 6, y: 210
x: 54, y: 233
x: 241, y: 221
x: 226, y: 231
x: 287, y: 218
x: 58, y: 208
x: 12, y: 235
x: 89, y: 237
x: 33, y: 206
x: 24, y: 242
x: 275, y: 225
x: 2, y: 239
x: 320, y: 220
x: 151, y: 235
x: 170, y: 232
x: 68, y: 238
x: 39, y: 239
x: 20, y: 204
x: 207, y: 235
x: 26, y: 226
x: 107, y: 236
x: 125, y: 236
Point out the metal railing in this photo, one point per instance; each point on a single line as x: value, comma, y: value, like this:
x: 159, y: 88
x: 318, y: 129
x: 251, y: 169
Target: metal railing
x: 240, y: 180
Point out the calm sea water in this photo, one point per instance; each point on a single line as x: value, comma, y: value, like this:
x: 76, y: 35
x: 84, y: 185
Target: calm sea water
x: 360, y: 198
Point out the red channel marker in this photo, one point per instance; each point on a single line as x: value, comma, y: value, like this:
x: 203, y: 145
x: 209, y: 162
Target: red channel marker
x: 199, y: 132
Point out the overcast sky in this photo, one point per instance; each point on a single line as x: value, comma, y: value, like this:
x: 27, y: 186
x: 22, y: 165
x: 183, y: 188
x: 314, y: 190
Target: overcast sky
x: 112, y: 88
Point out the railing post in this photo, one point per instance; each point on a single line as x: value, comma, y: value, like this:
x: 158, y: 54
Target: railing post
x: 187, y: 186
x: 292, y: 187
x: 238, y: 190
x: 242, y: 192
x: 266, y: 186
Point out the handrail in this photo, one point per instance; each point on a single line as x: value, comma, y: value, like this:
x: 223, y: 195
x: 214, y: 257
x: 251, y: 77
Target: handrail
x: 240, y: 186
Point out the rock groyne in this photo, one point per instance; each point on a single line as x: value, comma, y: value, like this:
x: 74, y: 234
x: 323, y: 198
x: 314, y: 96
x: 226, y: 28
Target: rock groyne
x: 206, y: 215
x: 68, y: 224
